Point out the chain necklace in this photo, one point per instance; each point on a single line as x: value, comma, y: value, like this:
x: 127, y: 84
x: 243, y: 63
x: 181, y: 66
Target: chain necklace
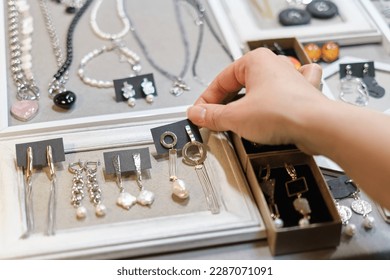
x: 20, y: 29
x: 178, y: 85
x: 201, y: 21
x: 124, y: 52
x: 61, y: 96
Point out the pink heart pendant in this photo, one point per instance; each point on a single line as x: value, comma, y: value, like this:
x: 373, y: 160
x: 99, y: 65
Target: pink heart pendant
x: 24, y: 110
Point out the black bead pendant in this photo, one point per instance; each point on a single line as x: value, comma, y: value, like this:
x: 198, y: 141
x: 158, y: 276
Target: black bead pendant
x: 65, y: 99
x: 70, y: 10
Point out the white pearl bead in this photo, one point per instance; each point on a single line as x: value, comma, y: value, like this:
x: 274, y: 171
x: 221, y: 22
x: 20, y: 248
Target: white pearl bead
x: 100, y: 210
x: 350, y: 229
x: 278, y: 223
x: 368, y: 222
x: 179, y: 189
x: 81, y: 212
x: 150, y: 98
x: 126, y: 200
x: 304, y: 222
x: 131, y: 102
x: 145, y: 198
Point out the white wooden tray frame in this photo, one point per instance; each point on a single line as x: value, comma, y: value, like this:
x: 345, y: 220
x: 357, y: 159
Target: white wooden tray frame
x: 239, y: 219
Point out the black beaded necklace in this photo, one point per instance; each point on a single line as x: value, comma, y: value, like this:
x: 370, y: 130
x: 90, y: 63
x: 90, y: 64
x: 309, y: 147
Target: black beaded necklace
x: 64, y: 98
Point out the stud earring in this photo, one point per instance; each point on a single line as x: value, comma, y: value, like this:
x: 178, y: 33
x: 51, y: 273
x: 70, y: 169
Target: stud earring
x: 77, y: 169
x: 94, y: 191
x: 128, y: 93
x: 125, y: 199
x: 353, y: 89
x: 145, y: 197
x: 148, y: 89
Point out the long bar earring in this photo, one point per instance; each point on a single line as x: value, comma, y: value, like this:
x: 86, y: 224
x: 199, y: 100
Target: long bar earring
x: 51, y: 217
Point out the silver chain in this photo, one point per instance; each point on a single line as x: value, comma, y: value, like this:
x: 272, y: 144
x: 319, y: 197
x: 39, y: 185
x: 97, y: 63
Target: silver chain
x: 55, y: 44
x: 20, y: 29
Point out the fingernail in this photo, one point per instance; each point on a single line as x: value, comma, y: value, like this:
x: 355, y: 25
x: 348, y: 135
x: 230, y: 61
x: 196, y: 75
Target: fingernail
x: 196, y: 113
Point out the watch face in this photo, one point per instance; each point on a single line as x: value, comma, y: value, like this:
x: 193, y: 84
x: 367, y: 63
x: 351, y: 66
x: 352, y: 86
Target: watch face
x: 322, y: 9
x: 294, y: 16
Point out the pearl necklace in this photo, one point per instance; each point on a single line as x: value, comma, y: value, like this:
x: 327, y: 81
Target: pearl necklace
x: 61, y: 96
x: 20, y: 29
x: 117, y: 45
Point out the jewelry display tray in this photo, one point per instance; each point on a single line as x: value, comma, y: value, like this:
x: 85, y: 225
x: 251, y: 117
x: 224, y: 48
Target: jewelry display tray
x: 252, y: 20
x: 94, y: 127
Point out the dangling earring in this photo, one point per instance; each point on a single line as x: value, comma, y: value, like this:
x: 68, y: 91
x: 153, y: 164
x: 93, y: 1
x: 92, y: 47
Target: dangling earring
x: 353, y: 89
x: 95, y: 193
x: 268, y: 187
x: 374, y: 89
x: 362, y: 207
x: 148, y: 89
x: 125, y: 199
x: 145, y: 197
x: 345, y: 214
x: 128, y: 93
x: 77, y: 169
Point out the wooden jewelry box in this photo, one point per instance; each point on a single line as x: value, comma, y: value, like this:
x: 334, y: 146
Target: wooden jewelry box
x: 324, y: 229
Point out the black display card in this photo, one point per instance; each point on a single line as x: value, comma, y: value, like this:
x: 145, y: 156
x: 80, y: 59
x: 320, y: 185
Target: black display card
x: 39, y: 152
x: 136, y: 82
x: 126, y: 160
x: 357, y: 69
x: 178, y: 128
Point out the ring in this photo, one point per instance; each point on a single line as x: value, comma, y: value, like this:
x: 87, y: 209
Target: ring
x: 170, y: 135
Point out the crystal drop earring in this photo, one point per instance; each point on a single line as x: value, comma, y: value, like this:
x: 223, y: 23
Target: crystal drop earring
x: 95, y: 193
x: 77, y: 169
x: 353, y: 89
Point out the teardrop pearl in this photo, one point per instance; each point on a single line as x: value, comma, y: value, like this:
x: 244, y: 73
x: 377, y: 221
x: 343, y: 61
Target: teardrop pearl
x: 179, y: 189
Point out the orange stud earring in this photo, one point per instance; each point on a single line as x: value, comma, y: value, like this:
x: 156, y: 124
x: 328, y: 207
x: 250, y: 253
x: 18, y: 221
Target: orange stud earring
x: 313, y: 51
x: 330, y: 52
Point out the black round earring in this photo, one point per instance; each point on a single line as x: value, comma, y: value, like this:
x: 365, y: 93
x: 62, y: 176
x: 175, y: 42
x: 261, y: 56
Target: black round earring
x: 294, y: 16
x: 322, y: 9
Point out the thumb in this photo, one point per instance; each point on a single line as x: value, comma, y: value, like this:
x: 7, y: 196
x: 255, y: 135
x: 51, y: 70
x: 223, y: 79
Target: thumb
x: 211, y: 116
